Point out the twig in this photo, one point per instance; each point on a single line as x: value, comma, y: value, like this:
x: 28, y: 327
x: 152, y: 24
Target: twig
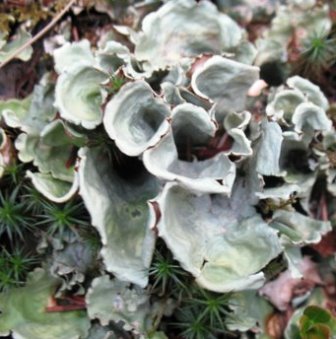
x: 38, y: 35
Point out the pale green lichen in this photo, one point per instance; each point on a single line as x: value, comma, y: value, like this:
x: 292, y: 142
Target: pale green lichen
x: 23, y: 311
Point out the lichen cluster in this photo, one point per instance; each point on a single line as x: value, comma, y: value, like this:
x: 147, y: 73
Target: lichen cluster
x: 165, y: 189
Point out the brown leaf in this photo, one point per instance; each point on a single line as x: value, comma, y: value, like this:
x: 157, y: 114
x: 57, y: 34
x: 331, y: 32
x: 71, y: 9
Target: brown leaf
x: 284, y: 288
x: 327, y: 246
x: 276, y: 324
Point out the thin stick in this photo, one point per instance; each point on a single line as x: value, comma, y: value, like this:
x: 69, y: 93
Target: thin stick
x: 38, y: 35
